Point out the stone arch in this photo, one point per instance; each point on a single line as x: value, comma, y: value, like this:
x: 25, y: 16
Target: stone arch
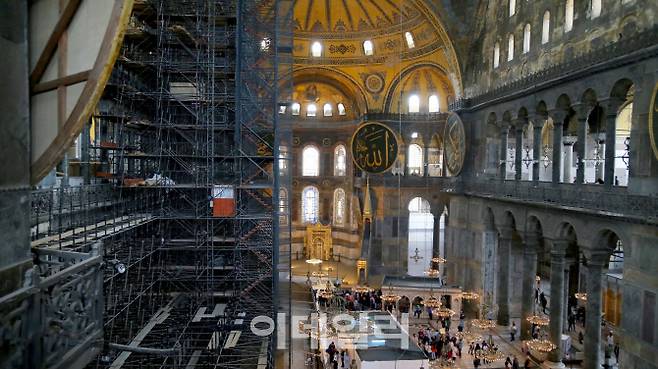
x: 436, y: 70
x: 337, y: 79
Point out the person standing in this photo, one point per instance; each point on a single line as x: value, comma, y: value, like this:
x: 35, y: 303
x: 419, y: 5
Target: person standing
x: 526, y: 364
x: 512, y: 331
x: 544, y: 302
x: 572, y: 322
x: 515, y: 363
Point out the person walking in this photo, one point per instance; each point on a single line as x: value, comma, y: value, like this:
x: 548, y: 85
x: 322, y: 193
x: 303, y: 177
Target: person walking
x: 508, y: 362
x: 512, y: 331
x: 572, y: 322
x: 526, y: 364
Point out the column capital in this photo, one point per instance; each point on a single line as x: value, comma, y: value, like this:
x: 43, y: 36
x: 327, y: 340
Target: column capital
x: 539, y: 119
x: 612, y: 104
x: 558, y: 115
x: 582, y: 110
x: 559, y: 246
x: 505, y: 232
x: 596, y: 258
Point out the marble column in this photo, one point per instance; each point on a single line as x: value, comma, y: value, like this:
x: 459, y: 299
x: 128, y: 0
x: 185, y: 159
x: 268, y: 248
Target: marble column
x: 558, y: 117
x: 436, y: 245
x: 558, y: 251
x: 592, y: 347
x: 504, y: 132
x: 504, y: 261
x: 529, y: 273
x: 567, y: 175
x: 518, y: 157
x: 583, y: 113
x: 538, y: 125
x: 610, y: 140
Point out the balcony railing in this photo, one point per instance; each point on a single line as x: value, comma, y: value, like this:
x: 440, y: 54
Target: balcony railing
x: 55, y: 320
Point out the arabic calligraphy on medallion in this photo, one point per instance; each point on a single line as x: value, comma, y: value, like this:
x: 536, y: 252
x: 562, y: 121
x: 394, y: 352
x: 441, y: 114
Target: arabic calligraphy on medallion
x: 653, y: 122
x: 454, y: 142
x: 374, y: 147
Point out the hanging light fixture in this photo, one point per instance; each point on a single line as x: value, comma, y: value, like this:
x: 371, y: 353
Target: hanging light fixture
x: 468, y: 336
x: 443, y: 312
x: 326, y: 294
x: 540, y: 320
x: 582, y: 296
x: 469, y: 295
x: 541, y: 345
x: 432, y: 273
x: 491, y: 355
x: 314, y: 261
x: 483, y: 323
x: 390, y: 297
x: 438, y: 260
x: 361, y: 289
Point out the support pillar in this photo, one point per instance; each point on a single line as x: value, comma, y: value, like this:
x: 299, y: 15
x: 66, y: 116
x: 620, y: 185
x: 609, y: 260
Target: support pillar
x: 537, y: 126
x: 610, y: 140
x: 436, y: 245
x: 518, y: 157
x: 583, y: 113
x: 568, y: 159
x: 558, y: 251
x: 529, y: 272
x: 504, y: 259
x: 592, y: 347
x: 504, y: 132
x: 558, y: 117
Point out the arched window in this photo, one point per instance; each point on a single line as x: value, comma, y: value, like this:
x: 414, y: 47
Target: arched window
x: 496, y: 55
x: 410, y: 40
x: 433, y: 104
x: 414, y: 104
x: 510, y: 47
x: 568, y: 16
x: 311, y: 110
x: 316, y: 49
x: 283, y: 206
x: 339, y: 207
x: 341, y: 109
x: 596, y: 8
x: 526, y: 39
x: 367, y: 47
x: 616, y: 262
x: 327, y: 110
x: 310, y: 204
x: 295, y: 108
x: 415, y: 160
x: 420, y: 236
x: 340, y: 161
x: 546, y: 27
x: 512, y: 7
x: 310, y: 162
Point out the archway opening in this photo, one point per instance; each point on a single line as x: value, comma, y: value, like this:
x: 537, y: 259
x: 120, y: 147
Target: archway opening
x: 420, y: 239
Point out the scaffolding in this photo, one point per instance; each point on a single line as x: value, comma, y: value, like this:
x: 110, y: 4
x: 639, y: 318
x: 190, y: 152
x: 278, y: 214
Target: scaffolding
x: 190, y: 117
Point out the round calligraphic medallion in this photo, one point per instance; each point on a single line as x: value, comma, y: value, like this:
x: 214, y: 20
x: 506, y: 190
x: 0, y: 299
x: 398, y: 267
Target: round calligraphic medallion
x: 374, y: 147
x: 374, y: 83
x: 454, y: 142
x: 653, y: 121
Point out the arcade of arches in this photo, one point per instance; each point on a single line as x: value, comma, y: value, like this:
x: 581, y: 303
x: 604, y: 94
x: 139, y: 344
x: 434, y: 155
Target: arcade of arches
x: 546, y: 198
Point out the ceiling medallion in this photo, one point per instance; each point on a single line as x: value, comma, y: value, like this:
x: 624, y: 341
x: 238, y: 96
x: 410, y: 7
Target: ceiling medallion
x: 454, y: 141
x: 374, y: 83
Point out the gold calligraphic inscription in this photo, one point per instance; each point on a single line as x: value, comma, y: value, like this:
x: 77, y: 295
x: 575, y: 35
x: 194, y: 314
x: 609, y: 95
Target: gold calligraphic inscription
x: 653, y: 121
x: 454, y: 142
x: 374, y: 147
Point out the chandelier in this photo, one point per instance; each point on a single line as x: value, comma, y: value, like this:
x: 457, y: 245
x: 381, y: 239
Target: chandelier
x: 314, y: 261
x: 326, y: 294
x: 443, y: 312
x: 319, y: 274
x: 483, y: 323
x: 491, y: 355
x: 467, y: 295
x: 541, y: 345
x: 362, y: 289
x: 438, y: 260
x: 432, y: 302
x: 582, y: 296
x: 468, y: 336
x: 539, y: 320
x: 390, y: 297
x: 432, y: 273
